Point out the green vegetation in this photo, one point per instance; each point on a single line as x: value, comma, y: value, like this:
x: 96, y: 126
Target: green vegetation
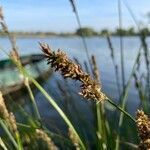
x: 86, y: 31
x: 124, y: 32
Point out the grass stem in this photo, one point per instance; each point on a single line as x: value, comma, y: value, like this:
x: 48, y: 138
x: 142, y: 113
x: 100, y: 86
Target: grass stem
x: 36, y: 111
x: 8, y: 134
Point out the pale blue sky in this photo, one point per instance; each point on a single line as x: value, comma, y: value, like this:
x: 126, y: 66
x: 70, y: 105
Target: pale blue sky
x: 57, y: 15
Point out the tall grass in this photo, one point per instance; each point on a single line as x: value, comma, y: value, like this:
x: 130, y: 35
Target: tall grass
x: 110, y: 45
x: 56, y: 106
x: 75, y: 10
x: 103, y: 131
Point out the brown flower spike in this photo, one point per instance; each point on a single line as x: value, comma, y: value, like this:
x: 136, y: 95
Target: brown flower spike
x: 43, y: 135
x: 143, y: 125
x: 90, y: 89
x: 7, y: 116
x: 74, y: 139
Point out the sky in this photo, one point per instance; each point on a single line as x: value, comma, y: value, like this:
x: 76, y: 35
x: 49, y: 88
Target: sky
x: 57, y: 15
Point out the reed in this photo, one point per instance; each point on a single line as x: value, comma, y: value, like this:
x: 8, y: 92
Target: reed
x: 90, y: 89
x: 100, y: 111
x: 74, y: 8
x: 125, y: 95
x: 140, y: 88
x: 121, y: 44
x: 143, y: 126
x: 2, y: 144
x: 10, y: 123
x: 74, y: 139
x: 110, y: 45
x: 43, y: 136
x: 60, y: 62
x: 125, y: 91
x: 6, y: 30
x: 147, y: 62
x: 50, y: 100
x: 15, y: 54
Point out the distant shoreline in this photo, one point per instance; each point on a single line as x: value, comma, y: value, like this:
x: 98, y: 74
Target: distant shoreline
x: 60, y: 35
x: 85, y: 31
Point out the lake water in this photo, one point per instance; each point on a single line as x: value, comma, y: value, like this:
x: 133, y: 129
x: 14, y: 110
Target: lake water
x: 73, y: 46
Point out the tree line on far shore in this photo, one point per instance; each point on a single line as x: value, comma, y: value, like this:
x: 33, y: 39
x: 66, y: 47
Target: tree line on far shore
x: 124, y: 32
x: 86, y: 31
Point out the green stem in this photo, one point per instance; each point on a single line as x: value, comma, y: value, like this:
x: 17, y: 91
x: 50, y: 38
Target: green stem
x: 19, y: 141
x: 123, y: 111
x: 52, y: 102
x: 62, y: 114
x: 36, y: 111
x: 8, y: 133
x: 101, y: 126
x: 125, y: 95
x: 121, y: 45
x: 82, y: 35
x: 2, y: 144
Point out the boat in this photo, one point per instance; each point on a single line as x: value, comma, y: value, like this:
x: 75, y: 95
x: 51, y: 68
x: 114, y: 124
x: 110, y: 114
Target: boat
x: 11, y: 81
